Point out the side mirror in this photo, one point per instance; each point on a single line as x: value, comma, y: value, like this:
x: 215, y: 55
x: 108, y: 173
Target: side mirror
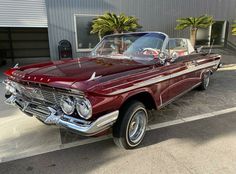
x: 199, y: 49
x: 162, y: 57
x: 174, y: 56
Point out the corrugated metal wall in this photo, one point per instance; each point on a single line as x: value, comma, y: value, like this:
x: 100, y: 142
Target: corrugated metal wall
x: 159, y: 15
x: 26, y: 13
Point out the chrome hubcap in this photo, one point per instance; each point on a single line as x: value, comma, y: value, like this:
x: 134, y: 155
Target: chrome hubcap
x: 137, y: 126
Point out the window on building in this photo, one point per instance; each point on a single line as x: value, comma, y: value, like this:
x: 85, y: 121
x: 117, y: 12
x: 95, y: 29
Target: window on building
x: 84, y: 40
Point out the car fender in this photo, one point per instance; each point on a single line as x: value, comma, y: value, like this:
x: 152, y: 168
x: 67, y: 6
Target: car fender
x: 132, y: 95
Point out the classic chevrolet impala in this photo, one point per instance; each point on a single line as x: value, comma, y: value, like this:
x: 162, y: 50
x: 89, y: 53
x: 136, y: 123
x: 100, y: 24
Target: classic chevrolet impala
x: 113, y: 89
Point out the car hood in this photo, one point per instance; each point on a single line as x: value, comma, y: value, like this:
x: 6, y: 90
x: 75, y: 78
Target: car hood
x: 66, y: 72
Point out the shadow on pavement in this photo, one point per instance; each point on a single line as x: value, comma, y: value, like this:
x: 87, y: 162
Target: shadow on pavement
x: 198, y: 132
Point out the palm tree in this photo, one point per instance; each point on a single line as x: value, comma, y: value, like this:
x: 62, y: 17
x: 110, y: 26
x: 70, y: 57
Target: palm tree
x: 111, y: 23
x: 234, y: 28
x: 194, y: 23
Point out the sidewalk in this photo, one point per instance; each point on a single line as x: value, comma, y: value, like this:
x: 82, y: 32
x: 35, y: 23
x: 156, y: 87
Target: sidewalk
x: 21, y: 135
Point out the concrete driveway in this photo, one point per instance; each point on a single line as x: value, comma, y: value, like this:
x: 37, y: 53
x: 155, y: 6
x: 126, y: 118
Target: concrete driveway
x: 22, y: 136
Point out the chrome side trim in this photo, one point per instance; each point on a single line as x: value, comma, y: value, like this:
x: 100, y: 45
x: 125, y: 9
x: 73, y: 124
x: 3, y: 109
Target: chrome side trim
x: 163, y: 78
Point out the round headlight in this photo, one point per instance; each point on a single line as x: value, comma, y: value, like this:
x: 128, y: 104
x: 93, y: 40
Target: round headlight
x: 84, y: 108
x: 67, y: 104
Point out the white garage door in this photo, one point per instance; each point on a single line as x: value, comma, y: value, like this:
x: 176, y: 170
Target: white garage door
x: 23, y: 13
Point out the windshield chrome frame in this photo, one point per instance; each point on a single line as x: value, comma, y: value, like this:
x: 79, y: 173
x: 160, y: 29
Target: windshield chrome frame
x: 163, y: 48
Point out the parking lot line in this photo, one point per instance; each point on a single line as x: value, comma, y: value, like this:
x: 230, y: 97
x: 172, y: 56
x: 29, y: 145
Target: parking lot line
x: 189, y: 119
x: 97, y: 139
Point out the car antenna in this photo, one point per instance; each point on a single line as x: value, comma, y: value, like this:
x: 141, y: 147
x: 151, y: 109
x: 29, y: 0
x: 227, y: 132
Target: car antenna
x: 211, y: 46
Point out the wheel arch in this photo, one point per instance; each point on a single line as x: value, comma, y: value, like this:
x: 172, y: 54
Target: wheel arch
x: 208, y: 70
x: 144, y: 97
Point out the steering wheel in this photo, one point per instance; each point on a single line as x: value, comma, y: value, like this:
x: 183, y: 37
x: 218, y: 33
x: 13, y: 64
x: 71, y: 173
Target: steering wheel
x: 150, y: 51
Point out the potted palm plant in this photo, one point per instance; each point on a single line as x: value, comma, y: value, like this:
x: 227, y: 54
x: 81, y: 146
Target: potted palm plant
x: 234, y: 29
x: 194, y: 23
x: 110, y: 23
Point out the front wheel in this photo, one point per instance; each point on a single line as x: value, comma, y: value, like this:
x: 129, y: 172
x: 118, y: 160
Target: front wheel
x: 130, y: 128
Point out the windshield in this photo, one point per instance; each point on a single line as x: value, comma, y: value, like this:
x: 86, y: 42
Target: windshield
x: 141, y: 45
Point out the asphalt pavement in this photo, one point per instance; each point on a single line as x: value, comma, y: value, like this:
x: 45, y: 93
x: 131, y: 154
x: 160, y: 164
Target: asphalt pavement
x: 203, y: 146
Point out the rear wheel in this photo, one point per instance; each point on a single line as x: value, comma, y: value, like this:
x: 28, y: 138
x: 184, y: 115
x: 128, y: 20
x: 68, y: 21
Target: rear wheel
x: 130, y: 128
x: 205, y: 81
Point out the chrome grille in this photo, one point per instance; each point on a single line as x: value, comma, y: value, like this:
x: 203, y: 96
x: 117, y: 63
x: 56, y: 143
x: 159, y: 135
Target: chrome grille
x: 39, y: 111
x: 35, y: 93
x: 52, y: 97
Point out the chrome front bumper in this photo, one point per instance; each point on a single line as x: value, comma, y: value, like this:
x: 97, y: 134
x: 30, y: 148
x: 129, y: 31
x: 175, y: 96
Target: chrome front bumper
x: 51, y: 115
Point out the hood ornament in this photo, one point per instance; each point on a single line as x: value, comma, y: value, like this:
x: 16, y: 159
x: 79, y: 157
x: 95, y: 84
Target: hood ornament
x: 93, y: 77
x: 16, y: 65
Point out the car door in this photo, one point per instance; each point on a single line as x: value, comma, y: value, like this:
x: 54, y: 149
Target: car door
x: 163, y: 90
x: 184, y: 75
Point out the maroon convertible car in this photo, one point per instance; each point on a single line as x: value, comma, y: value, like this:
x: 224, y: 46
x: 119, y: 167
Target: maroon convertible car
x: 125, y: 76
